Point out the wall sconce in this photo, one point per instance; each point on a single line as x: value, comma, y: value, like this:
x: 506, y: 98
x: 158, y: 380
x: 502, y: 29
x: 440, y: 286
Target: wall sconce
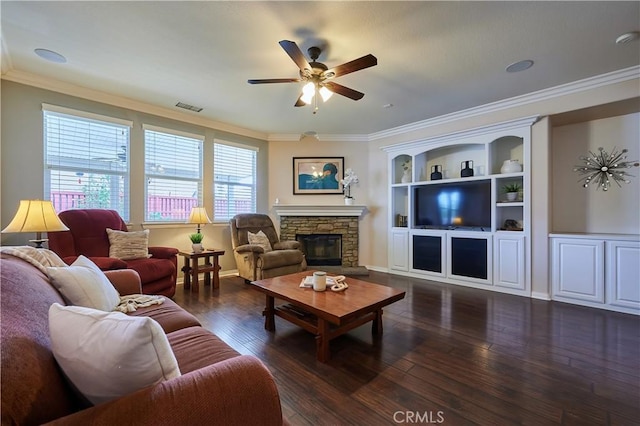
x: 603, y: 168
x: 35, y: 216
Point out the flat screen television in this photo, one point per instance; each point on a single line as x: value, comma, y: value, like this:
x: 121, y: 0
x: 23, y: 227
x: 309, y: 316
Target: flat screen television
x: 453, y: 205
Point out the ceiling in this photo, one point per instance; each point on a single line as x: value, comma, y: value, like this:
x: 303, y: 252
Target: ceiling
x: 434, y: 58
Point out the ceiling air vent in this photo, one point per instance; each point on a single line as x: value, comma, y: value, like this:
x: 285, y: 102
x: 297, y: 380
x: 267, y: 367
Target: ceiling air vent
x: 189, y: 107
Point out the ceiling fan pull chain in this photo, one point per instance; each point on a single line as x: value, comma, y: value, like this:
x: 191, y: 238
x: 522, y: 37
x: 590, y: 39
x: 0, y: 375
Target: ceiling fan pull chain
x: 315, y: 101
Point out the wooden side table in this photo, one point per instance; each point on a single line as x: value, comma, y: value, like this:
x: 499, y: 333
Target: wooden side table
x: 192, y: 271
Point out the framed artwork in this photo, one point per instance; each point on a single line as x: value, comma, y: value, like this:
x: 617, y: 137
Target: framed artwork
x: 317, y: 175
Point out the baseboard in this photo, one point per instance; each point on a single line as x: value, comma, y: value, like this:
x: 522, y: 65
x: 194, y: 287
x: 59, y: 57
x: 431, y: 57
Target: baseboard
x: 540, y: 295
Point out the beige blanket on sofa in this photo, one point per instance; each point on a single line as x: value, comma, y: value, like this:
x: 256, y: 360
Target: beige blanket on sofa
x: 43, y: 258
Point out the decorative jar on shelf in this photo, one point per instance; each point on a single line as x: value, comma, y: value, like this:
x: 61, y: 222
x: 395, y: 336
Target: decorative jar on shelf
x: 436, y: 172
x: 511, y: 166
x: 466, y: 169
x: 348, y: 201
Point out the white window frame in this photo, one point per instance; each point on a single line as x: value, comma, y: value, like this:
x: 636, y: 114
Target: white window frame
x: 161, y: 173
x: 86, y: 168
x: 224, y: 216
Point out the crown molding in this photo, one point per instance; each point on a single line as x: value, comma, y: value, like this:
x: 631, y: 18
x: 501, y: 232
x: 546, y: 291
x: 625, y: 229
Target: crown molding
x: 541, y: 95
x: 291, y: 137
x: 613, y: 77
x: 502, y: 127
x: 122, y: 102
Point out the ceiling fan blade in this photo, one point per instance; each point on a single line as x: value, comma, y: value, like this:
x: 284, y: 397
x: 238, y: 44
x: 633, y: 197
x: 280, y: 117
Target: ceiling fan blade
x: 349, y: 67
x: 344, y: 91
x: 296, y: 54
x: 274, y: 80
x: 299, y: 102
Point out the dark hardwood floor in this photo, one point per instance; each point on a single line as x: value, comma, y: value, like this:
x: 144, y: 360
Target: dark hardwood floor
x: 449, y: 355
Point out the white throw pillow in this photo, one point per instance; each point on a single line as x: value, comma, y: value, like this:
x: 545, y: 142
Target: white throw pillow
x: 260, y: 239
x: 107, y: 355
x: 84, y: 284
x: 128, y: 245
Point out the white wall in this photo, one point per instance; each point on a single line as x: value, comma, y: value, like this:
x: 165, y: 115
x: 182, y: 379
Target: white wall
x: 578, y: 209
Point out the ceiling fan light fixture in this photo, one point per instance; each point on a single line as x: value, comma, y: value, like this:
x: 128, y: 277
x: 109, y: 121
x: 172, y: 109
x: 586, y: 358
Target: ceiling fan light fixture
x: 308, y: 92
x: 325, y: 93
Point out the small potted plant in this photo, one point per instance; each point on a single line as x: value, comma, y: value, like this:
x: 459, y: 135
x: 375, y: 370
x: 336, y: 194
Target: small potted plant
x: 196, y: 242
x: 512, y: 191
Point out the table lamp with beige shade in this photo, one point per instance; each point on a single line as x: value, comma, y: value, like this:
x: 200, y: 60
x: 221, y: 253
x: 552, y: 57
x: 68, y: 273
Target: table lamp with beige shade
x: 35, y: 216
x: 198, y: 216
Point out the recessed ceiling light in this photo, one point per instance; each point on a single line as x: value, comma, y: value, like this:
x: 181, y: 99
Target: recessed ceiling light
x: 520, y: 66
x: 628, y: 37
x: 50, y: 55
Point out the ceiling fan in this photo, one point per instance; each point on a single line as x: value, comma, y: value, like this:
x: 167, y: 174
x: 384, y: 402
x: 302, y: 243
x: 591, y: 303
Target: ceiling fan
x: 318, y: 76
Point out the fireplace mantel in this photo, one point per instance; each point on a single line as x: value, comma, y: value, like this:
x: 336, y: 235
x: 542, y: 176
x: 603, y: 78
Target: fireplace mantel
x: 319, y: 210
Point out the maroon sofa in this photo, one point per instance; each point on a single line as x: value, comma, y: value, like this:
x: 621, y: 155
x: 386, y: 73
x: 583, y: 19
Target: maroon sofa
x: 87, y: 236
x: 218, y: 386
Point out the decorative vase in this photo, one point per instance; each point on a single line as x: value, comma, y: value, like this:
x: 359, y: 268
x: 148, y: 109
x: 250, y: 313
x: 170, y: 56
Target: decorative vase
x: 197, y: 247
x: 466, y: 168
x: 511, y: 166
x: 512, y: 196
x: 406, y: 176
x: 348, y: 201
x: 436, y: 172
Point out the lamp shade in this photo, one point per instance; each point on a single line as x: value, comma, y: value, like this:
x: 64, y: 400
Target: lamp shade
x: 198, y: 215
x: 35, y: 216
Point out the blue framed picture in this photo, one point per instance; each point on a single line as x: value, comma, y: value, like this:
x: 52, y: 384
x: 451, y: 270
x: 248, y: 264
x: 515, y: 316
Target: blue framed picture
x: 317, y: 175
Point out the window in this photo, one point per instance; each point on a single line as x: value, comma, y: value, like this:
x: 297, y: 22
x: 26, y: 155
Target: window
x: 235, y: 180
x: 173, y: 172
x: 86, y: 160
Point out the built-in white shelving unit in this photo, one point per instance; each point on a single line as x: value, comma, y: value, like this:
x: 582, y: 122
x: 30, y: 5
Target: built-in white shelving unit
x: 464, y: 244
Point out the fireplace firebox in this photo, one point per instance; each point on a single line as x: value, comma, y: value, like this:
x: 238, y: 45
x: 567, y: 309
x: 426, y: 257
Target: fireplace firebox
x: 321, y: 249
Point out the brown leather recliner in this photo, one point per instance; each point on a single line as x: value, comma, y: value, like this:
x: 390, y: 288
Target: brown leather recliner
x: 252, y: 260
x: 87, y: 236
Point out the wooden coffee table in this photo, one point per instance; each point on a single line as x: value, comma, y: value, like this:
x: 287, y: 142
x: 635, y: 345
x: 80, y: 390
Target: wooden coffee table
x: 326, y: 314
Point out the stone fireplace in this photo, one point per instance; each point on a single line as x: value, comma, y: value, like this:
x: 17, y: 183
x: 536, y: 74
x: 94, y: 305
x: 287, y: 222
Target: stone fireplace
x: 318, y: 221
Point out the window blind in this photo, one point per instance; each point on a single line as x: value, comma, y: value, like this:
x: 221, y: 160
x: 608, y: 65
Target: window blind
x: 234, y: 181
x: 173, y: 171
x: 86, y: 162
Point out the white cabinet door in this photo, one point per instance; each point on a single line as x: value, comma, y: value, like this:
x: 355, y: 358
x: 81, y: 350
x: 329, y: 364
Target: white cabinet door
x: 399, y: 250
x: 623, y: 273
x: 509, y: 268
x: 578, y: 269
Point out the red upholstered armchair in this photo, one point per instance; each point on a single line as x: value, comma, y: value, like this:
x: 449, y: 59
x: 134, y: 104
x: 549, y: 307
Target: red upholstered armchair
x: 87, y: 236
